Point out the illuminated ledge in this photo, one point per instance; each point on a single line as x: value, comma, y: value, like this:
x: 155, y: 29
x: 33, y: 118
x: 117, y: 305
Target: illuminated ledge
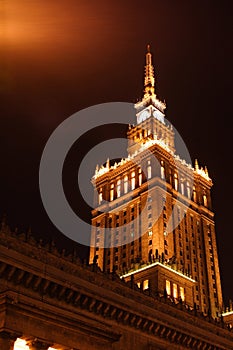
x: 157, y: 264
x: 227, y: 313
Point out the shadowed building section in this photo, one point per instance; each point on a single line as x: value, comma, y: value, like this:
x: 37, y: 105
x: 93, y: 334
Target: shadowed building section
x: 49, y: 300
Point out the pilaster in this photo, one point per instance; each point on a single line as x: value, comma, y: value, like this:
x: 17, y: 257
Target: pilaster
x: 7, y: 340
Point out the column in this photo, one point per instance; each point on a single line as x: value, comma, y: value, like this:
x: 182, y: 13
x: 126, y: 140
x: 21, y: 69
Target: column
x: 7, y: 340
x: 38, y: 344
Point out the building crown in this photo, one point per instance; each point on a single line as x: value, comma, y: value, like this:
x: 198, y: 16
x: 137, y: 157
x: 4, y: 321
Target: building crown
x: 149, y: 104
x: 149, y: 81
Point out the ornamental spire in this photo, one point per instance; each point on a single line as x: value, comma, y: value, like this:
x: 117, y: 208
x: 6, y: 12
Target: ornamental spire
x: 149, y: 81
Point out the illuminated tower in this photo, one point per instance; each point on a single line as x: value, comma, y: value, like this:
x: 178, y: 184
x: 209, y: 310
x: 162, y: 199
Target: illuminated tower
x: 158, y: 210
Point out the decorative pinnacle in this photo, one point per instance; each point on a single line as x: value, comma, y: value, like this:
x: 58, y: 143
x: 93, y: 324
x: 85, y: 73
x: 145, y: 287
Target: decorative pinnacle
x: 196, y: 165
x: 149, y: 81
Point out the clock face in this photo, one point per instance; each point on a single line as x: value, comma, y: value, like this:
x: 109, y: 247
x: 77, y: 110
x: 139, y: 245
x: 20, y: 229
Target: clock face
x: 158, y: 115
x: 143, y: 116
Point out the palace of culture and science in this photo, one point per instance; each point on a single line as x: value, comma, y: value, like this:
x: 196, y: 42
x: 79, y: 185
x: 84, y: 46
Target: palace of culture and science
x: 152, y: 281
x: 184, y: 261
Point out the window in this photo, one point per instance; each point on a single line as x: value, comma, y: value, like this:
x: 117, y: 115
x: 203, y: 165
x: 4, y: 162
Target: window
x: 133, y: 180
x: 188, y: 190
x: 205, y: 200
x: 150, y: 233
x: 145, y: 284
x: 194, y: 194
x: 175, y: 293
x: 139, y: 284
x: 139, y: 177
x: 168, y: 287
x: 126, y: 184
x: 182, y: 188
x: 149, y: 170
x: 176, y: 181
x: 182, y: 293
x: 111, y: 192
x: 162, y: 170
x: 118, y: 188
x: 100, y: 195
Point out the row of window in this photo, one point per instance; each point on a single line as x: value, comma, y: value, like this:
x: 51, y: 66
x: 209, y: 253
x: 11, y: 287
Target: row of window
x: 129, y: 183
x: 172, y: 289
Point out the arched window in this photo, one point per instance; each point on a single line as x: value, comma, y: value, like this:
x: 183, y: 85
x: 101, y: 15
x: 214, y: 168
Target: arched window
x: 133, y: 180
x: 162, y: 170
x: 111, y: 192
x: 126, y: 184
x: 149, y: 170
x: 100, y: 195
x: 176, y: 181
x: 188, y: 190
x: 118, y: 188
x: 139, y: 177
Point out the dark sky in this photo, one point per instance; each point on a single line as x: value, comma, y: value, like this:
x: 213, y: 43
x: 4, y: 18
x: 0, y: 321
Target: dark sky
x: 58, y: 57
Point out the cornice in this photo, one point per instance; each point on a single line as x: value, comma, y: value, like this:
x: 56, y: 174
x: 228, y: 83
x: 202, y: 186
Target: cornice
x: 44, y: 274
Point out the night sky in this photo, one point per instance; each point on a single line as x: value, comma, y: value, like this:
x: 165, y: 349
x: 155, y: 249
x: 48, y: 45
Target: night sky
x: 58, y: 57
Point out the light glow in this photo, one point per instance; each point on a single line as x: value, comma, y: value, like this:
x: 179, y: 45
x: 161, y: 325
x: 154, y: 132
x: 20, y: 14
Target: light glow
x: 227, y: 313
x: 21, y: 344
x: 145, y: 284
x: 159, y: 264
x: 182, y: 293
x: 175, y: 292
x: 168, y: 287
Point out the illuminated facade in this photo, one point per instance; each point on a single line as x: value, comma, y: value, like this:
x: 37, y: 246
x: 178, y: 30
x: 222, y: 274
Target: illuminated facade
x: 158, y: 210
x: 162, y: 282
x: 49, y: 300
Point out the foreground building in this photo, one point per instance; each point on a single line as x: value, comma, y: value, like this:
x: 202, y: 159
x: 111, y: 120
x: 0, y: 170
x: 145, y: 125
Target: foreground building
x: 159, y: 214
x: 51, y: 301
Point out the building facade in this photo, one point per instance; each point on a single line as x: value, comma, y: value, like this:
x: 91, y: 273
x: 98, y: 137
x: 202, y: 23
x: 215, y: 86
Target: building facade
x: 153, y: 213
x: 49, y: 300
x: 153, y: 279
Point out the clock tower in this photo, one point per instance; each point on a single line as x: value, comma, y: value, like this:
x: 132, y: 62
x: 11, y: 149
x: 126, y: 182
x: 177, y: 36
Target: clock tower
x: 150, y: 113
x: 150, y: 105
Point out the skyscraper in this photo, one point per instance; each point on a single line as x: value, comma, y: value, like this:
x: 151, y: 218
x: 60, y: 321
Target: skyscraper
x: 153, y: 222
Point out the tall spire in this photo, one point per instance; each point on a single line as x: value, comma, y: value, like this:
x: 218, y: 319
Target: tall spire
x: 149, y: 81
x: 149, y: 98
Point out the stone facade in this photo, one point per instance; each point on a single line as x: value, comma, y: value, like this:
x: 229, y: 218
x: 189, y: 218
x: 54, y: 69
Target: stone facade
x: 157, y: 207
x: 50, y: 299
